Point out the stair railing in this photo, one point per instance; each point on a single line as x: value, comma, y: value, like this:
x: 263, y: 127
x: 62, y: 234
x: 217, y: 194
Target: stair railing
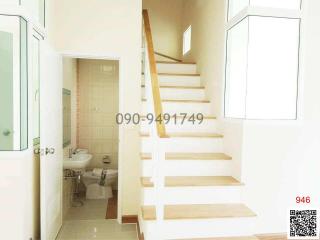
x: 157, y: 129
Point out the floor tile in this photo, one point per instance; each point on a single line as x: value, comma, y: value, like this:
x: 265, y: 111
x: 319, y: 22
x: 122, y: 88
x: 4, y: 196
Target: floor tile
x: 88, y: 222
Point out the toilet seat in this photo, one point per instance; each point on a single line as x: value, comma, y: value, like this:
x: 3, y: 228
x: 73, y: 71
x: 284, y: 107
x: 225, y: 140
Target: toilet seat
x: 110, y: 174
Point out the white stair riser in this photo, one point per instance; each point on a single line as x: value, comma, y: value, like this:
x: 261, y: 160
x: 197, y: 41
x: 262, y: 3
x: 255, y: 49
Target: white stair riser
x: 171, y: 80
x: 177, y: 68
x: 193, y: 81
x: 175, y: 80
x: 194, y: 195
x: 207, y: 126
x: 190, y: 168
x: 202, y: 228
x: 200, y: 145
x: 180, y: 93
x: 183, y: 107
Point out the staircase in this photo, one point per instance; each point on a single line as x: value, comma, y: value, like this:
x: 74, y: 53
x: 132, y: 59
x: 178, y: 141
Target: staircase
x: 187, y: 189
x: 201, y: 198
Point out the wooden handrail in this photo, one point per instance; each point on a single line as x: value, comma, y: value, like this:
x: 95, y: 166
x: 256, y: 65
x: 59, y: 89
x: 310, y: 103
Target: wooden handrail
x: 166, y: 56
x: 161, y: 129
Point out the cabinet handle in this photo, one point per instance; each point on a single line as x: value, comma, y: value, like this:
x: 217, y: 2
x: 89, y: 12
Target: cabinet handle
x: 6, y: 132
x: 50, y: 151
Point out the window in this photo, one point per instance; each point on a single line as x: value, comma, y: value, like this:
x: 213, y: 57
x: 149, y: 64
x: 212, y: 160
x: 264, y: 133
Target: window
x: 262, y: 64
x: 187, y: 41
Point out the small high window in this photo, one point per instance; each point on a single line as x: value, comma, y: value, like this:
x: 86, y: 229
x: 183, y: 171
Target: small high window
x: 187, y: 40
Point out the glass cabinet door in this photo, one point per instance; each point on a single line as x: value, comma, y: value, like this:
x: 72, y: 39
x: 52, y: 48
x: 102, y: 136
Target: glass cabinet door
x: 36, y: 87
x: 13, y: 84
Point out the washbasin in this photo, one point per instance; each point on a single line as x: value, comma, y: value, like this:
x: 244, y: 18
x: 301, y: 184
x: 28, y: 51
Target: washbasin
x: 78, y: 161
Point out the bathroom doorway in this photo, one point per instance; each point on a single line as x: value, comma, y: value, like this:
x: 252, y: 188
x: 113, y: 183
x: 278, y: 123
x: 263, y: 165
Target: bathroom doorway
x: 91, y: 102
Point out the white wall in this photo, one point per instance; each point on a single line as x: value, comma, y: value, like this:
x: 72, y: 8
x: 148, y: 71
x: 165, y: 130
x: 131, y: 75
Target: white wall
x: 207, y: 18
x: 98, y: 106
x: 166, y: 19
x: 110, y: 29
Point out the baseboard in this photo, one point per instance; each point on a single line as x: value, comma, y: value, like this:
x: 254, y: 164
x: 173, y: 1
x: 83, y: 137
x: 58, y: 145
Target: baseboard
x: 275, y: 236
x: 130, y: 219
x: 133, y: 219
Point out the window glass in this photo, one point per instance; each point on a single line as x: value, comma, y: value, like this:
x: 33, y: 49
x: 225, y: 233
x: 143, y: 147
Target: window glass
x: 23, y: 85
x: 13, y: 84
x: 236, y: 70
x: 273, y: 57
x: 262, y: 68
x: 6, y: 90
x: 187, y: 40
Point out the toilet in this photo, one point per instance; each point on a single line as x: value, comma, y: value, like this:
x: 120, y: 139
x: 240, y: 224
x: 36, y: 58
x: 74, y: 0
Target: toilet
x: 96, y: 191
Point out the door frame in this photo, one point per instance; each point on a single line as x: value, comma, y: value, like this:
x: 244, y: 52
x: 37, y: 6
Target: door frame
x: 120, y: 107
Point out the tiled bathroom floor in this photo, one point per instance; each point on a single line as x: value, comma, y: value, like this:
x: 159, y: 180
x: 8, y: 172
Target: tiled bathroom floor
x: 88, y: 222
x: 91, y: 210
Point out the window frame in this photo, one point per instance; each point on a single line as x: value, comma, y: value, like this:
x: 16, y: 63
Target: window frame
x: 255, y: 11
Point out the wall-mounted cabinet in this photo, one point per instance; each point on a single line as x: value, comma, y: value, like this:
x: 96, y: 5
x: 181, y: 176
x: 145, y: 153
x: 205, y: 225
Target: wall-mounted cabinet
x: 236, y: 6
x: 10, y: 2
x: 38, y: 10
x: 34, y: 8
x: 262, y: 59
x: 13, y: 83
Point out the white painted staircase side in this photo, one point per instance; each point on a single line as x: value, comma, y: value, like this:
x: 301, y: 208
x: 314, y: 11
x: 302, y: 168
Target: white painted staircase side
x: 202, y: 199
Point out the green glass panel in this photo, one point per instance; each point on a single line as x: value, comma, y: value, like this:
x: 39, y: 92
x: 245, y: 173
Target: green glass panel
x: 6, y: 91
x: 36, y: 89
x: 23, y: 85
x: 42, y: 12
x: 66, y: 117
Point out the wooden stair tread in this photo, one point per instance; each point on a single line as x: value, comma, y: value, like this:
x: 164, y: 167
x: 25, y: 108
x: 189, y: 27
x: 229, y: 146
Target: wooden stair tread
x: 224, y: 238
x: 188, y: 135
x: 181, y: 101
x: 190, y: 156
x: 199, y: 211
x: 276, y: 236
x: 180, y: 74
x: 167, y: 62
x: 148, y: 212
x: 194, y: 181
x: 146, y: 182
x: 197, y: 156
x: 178, y: 87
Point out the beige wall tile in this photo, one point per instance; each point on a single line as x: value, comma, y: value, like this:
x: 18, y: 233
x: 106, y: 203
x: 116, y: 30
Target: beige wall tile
x: 98, y: 106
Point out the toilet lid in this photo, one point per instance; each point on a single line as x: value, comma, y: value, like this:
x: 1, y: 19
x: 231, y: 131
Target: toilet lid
x: 110, y: 173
